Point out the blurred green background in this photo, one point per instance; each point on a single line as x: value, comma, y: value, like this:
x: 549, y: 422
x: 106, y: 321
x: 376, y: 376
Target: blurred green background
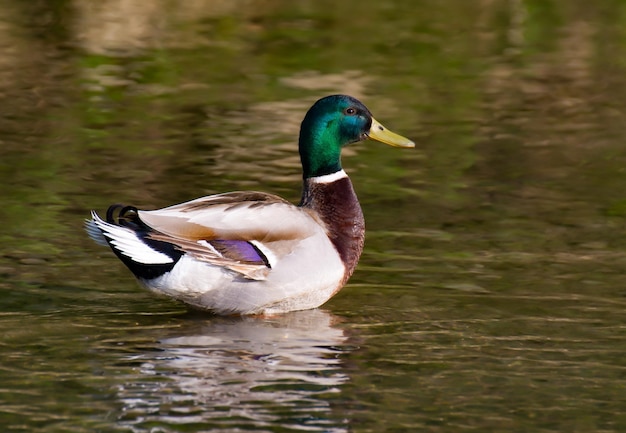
x: 490, y: 296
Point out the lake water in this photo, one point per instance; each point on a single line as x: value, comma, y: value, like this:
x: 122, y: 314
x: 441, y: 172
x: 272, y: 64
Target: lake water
x: 491, y: 295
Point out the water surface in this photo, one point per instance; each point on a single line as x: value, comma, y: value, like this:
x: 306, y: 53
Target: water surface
x: 490, y: 296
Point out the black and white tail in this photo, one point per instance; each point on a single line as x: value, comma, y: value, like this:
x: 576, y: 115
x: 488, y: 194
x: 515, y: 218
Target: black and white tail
x: 128, y: 238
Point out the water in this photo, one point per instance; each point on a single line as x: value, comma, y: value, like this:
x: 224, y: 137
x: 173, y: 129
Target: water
x: 490, y: 296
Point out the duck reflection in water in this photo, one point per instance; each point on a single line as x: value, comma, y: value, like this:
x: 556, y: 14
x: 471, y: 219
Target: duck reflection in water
x: 241, y: 372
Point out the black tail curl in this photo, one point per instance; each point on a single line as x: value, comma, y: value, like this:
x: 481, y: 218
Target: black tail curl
x: 125, y: 216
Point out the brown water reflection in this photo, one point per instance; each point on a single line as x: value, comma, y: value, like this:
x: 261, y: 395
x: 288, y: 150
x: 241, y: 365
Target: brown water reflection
x: 490, y: 296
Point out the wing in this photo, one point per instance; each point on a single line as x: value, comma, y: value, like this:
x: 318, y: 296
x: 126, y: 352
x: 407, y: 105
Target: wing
x: 247, y: 232
x: 234, y: 216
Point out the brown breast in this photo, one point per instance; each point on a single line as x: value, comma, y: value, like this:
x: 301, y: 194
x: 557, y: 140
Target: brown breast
x: 338, y: 207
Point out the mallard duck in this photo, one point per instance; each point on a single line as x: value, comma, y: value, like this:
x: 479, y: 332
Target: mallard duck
x: 253, y: 252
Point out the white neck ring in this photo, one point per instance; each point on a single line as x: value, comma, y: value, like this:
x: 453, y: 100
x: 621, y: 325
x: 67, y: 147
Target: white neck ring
x: 329, y: 178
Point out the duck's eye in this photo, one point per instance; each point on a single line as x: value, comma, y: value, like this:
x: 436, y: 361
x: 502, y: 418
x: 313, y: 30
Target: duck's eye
x: 350, y: 111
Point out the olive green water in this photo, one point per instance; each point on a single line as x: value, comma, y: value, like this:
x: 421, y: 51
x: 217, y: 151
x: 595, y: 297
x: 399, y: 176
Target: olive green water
x: 491, y: 293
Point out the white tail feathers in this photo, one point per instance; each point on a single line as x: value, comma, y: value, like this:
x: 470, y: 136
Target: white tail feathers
x: 124, y: 241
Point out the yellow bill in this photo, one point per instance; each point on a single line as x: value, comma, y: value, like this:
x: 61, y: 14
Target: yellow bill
x: 379, y: 133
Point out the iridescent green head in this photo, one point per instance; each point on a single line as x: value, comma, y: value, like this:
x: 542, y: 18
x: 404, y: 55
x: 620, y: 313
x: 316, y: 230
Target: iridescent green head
x: 333, y: 122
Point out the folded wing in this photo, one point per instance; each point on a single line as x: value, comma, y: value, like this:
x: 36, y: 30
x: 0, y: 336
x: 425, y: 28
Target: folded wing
x: 247, y: 232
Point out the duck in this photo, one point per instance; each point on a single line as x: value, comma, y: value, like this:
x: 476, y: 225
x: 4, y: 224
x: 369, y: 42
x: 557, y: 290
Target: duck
x: 255, y: 253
